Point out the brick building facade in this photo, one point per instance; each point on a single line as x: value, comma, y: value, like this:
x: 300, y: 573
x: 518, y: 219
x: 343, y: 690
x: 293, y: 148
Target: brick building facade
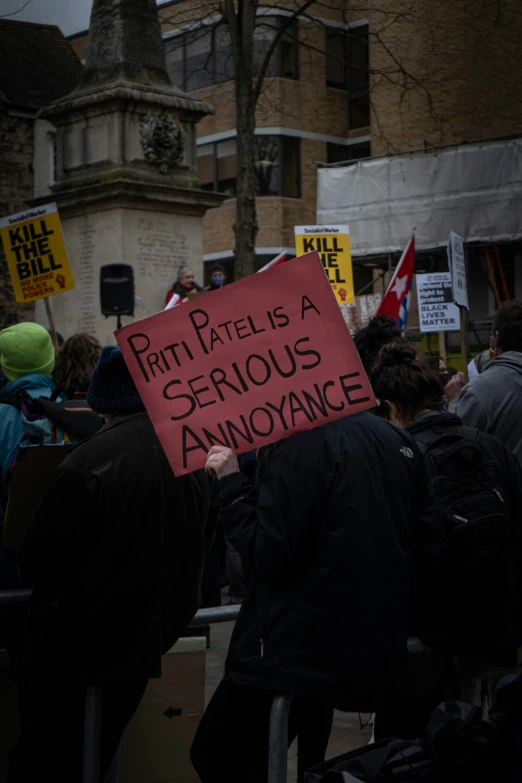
x: 347, y: 81
x: 37, y: 66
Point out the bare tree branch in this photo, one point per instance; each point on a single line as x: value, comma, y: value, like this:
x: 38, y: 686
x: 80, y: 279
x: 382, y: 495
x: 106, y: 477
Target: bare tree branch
x: 275, y: 41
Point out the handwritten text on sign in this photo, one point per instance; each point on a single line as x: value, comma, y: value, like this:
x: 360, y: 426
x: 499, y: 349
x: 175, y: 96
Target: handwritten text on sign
x: 36, y: 255
x: 247, y: 365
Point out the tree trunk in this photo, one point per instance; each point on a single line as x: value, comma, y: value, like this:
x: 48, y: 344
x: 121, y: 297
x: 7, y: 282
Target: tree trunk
x: 245, y: 227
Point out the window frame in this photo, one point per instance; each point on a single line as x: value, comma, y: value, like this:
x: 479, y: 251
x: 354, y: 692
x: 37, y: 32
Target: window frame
x: 351, y: 34
x: 343, y: 33
x: 184, y: 39
x: 280, y: 150
x: 297, y: 46
x: 348, y: 148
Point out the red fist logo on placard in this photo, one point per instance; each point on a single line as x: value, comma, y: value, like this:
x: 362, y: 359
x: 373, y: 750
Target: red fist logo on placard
x: 60, y: 279
x: 343, y: 294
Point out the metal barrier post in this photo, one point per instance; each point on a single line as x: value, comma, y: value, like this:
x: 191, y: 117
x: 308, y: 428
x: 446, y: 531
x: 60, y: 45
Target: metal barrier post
x: 216, y: 614
x: 91, y: 735
x: 279, y: 713
x: 20, y: 596
x: 278, y: 738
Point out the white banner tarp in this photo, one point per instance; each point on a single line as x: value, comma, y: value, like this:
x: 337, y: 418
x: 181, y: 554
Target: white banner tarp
x: 474, y: 190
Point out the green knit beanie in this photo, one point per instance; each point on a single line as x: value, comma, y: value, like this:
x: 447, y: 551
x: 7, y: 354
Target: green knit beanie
x: 26, y: 349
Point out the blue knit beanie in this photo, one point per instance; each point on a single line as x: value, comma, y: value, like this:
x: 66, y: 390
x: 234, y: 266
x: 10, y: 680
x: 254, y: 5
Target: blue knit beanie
x: 112, y: 389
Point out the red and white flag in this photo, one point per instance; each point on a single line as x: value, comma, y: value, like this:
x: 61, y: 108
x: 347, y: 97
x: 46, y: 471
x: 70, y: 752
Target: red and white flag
x: 280, y: 259
x: 174, y: 300
x: 396, y: 301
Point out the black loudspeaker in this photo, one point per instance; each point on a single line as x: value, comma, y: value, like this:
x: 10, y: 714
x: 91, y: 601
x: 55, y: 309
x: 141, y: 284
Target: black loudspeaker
x: 117, y: 289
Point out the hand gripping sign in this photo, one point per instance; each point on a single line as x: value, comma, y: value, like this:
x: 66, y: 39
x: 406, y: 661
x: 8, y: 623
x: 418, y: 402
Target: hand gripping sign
x: 250, y: 364
x: 36, y: 255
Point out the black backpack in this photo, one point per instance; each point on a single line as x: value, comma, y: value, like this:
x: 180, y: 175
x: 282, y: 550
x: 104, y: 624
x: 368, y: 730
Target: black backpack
x: 457, y: 747
x: 483, y: 583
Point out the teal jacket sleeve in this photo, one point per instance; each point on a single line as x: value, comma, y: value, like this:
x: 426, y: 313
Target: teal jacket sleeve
x: 11, y: 431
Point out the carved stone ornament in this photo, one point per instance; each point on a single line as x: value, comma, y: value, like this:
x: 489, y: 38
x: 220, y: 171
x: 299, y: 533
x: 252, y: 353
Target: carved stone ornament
x: 161, y: 140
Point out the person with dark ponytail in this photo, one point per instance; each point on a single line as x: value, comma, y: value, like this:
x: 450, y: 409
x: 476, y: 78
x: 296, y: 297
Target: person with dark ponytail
x: 380, y: 331
x: 406, y: 387
x: 479, y: 485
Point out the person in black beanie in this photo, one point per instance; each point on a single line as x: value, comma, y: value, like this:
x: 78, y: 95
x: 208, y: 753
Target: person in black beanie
x: 114, y: 555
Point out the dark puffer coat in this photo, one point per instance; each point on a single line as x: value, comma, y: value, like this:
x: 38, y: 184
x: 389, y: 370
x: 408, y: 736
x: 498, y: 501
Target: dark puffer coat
x: 114, y: 554
x: 340, y: 535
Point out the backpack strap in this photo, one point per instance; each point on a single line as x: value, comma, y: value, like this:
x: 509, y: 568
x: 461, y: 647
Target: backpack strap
x: 441, y: 445
x: 470, y: 433
x: 438, y: 433
x: 425, y: 440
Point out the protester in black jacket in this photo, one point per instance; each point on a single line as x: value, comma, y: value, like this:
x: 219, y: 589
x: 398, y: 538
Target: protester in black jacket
x: 482, y: 522
x: 341, y: 523
x: 114, y: 556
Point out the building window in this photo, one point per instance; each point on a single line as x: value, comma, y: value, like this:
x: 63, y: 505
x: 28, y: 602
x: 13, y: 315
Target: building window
x: 347, y: 68
x: 226, y: 159
x: 340, y: 153
x: 202, y: 57
x: 285, y: 60
x: 277, y: 166
x: 206, y: 166
x: 335, y: 46
x: 217, y: 166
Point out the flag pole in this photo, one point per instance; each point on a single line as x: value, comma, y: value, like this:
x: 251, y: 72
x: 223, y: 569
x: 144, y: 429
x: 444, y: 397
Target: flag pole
x: 442, y: 346
x: 464, y: 343
x: 392, y: 281
x: 52, y: 327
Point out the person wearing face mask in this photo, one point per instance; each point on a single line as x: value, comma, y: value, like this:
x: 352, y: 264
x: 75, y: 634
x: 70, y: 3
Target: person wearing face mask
x: 185, y: 286
x: 492, y: 401
x: 479, y: 485
x: 218, y: 278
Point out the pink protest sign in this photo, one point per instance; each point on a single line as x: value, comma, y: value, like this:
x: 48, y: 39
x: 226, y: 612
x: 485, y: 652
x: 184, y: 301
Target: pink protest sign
x: 252, y: 363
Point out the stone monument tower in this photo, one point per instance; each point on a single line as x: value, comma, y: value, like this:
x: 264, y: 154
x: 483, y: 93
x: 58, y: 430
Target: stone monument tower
x: 127, y: 188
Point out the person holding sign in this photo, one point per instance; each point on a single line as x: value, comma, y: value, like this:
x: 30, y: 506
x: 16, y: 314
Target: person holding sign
x: 492, y: 401
x: 340, y: 517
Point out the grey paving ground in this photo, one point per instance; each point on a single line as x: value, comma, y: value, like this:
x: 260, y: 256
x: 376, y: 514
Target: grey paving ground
x: 346, y: 732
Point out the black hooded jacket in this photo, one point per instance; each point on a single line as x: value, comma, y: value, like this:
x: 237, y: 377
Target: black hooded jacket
x: 340, y: 524
x: 114, y: 554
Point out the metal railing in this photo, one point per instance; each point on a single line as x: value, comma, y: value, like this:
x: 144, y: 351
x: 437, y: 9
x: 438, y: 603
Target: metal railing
x: 279, y: 713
